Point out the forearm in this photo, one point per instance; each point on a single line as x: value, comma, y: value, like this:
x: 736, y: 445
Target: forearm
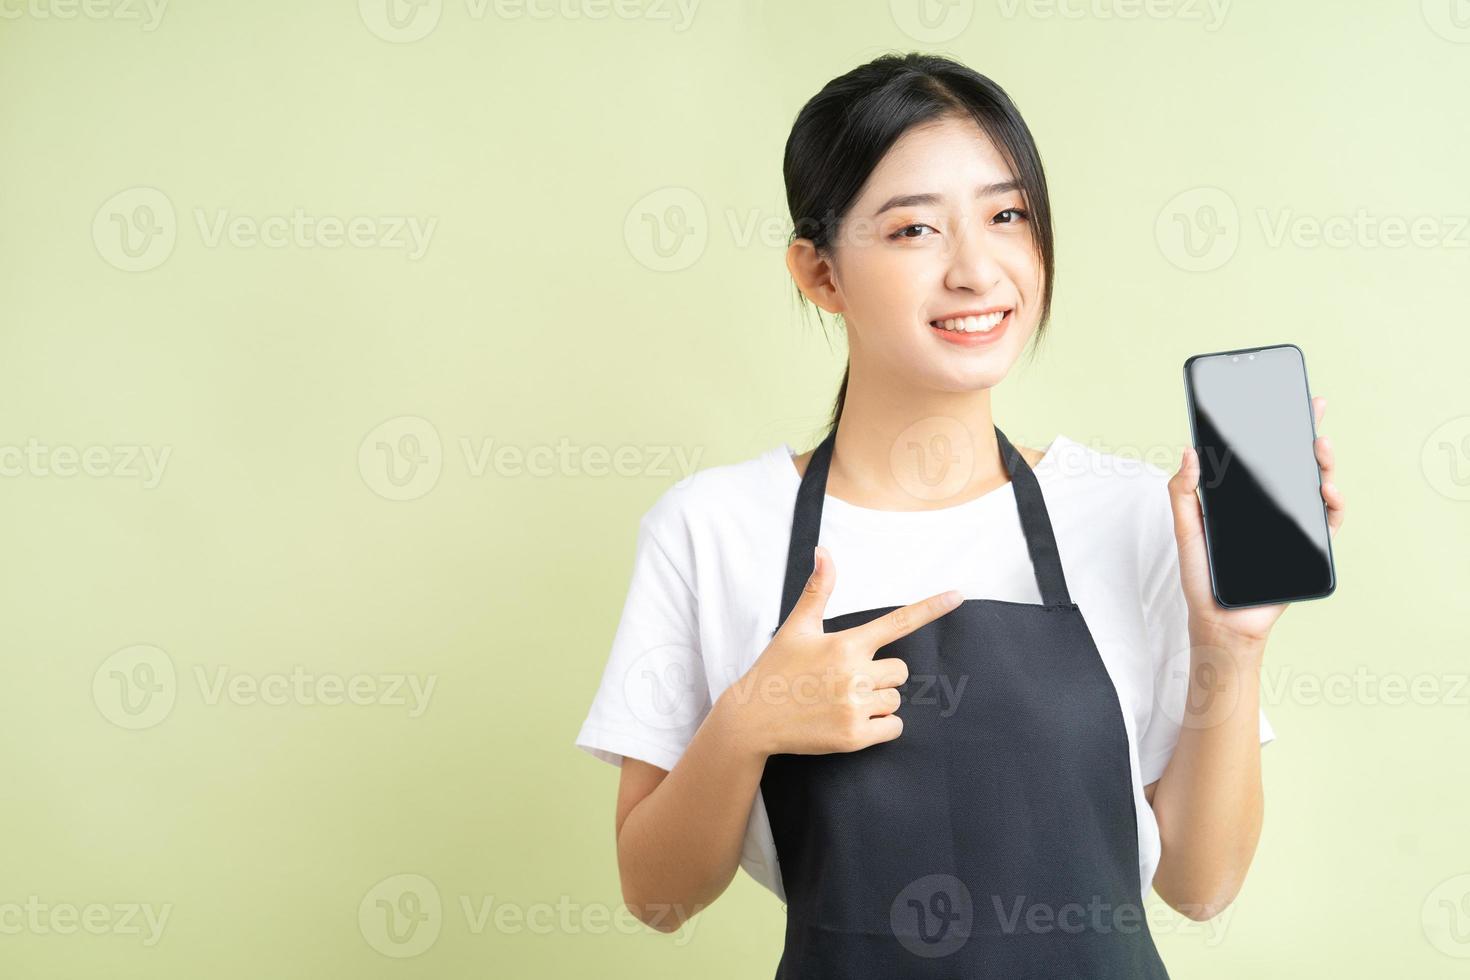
x: 1209, y: 802
x: 680, y: 846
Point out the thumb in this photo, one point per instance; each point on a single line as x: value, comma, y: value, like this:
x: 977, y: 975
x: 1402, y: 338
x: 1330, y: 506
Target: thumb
x: 1188, y: 524
x: 806, y: 616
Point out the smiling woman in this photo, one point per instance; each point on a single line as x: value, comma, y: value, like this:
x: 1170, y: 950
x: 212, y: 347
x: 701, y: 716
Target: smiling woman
x: 907, y: 114
x: 935, y: 753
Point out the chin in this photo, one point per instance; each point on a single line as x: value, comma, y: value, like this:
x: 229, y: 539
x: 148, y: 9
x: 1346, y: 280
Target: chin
x: 975, y: 378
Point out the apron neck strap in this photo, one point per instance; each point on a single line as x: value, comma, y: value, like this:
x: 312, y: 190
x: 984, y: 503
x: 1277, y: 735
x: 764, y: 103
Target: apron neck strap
x: 1041, y: 543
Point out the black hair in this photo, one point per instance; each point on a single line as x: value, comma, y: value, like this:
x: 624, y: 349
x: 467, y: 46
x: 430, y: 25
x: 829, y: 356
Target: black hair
x: 842, y: 133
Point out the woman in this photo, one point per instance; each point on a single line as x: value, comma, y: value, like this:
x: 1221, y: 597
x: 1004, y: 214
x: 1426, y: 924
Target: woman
x: 965, y: 734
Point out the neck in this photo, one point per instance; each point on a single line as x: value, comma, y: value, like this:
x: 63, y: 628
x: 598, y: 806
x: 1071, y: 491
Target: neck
x: 911, y: 449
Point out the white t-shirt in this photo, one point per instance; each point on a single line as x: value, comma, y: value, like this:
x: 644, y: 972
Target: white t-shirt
x: 711, y: 558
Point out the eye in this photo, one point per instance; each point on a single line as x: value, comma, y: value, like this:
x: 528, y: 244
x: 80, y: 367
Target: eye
x: 1019, y: 212
x: 905, y: 228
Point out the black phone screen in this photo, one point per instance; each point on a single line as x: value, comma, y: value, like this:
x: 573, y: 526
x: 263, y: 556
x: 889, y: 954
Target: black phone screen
x: 1260, y: 488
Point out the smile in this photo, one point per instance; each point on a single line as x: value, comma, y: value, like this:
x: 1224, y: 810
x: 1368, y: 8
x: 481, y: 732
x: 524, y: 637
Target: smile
x: 972, y: 323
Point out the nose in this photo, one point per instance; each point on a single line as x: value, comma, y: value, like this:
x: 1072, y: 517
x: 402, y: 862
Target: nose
x: 972, y: 262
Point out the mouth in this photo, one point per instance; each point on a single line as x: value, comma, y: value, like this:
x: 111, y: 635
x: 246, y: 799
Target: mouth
x: 973, y: 328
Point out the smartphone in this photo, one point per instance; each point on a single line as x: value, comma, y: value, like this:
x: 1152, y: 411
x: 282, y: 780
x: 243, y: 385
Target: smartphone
x: 1260, y: 489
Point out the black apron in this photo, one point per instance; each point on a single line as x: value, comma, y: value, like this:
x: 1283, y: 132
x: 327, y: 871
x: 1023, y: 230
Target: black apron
x: 996, y: 837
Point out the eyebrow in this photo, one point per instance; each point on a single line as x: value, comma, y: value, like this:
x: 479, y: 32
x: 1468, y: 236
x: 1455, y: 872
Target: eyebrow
x: 911, y: 200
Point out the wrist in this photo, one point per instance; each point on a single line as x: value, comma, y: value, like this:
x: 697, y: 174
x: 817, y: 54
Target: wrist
x: 742, y: 729
x: 1215, y: 642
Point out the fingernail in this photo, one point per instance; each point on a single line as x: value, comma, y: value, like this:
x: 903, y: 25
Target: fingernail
x: 953, y: 598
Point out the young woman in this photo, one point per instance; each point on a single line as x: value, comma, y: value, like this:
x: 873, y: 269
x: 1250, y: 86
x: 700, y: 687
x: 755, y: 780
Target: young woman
x: 960, y: 703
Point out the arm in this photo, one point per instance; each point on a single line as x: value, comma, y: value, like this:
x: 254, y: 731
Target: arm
x: 809, y: 692
x: 1209, y: 801
x: 679, y: 832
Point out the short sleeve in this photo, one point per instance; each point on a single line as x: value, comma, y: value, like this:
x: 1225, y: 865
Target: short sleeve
x: 1166, y: 620
x: 653, y: 695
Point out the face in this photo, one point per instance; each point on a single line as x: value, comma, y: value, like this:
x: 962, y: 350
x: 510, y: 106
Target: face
x: 939, y: 231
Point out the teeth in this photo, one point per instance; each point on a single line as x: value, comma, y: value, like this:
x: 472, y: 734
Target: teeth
x: 971, y: 324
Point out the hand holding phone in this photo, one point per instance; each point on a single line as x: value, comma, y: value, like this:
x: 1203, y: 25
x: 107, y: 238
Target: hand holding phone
x: 1260, y: 488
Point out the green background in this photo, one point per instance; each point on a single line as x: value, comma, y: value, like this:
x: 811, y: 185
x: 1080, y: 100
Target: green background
x: 544, y: 313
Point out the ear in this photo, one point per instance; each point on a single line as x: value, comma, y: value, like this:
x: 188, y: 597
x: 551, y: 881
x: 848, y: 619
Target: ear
x: 814, y: 275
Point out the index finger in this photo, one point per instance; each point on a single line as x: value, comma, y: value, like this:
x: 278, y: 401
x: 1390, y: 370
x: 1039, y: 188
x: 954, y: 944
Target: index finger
x: 905, y: 619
